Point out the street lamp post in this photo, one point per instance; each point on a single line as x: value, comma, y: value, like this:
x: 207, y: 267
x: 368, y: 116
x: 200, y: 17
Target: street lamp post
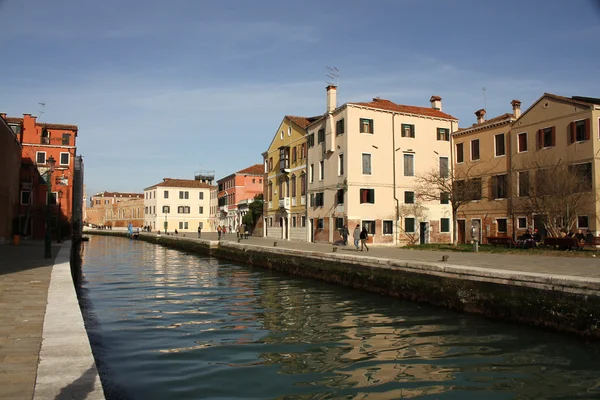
x: 166, y: 224
x: 60, y: 195
x: 48, y: 238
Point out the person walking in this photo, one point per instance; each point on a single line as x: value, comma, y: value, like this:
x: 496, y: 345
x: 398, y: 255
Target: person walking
x: 199, y: 230
x: 364, y: 235
x: 356, y: 236
x: 345, y: 234
x: 219, y: 232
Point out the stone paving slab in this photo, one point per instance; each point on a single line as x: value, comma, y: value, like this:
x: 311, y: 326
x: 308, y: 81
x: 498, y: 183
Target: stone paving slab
x: 24, y: 280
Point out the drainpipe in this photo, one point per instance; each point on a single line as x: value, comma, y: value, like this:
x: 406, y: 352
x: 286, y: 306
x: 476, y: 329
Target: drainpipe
x: 394, y: 174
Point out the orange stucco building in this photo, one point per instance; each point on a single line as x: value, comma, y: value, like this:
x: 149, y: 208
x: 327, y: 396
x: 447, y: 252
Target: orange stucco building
x: 40, y: 142
x: 239, y: 187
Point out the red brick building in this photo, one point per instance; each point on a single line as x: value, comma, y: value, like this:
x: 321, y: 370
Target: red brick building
x: 40, y: 143
x: 116, y: 209
x: 10, y: 161
x: 239, y: 187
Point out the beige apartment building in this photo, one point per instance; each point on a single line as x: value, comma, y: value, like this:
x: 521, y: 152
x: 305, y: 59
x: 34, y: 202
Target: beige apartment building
x: 482, y: 154
x: 284, y: 210
x: 363, y: 163
x: 555, y: 130
x: 182, y: 204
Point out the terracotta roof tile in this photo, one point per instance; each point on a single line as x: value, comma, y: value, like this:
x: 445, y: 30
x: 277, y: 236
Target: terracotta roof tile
x: 501, y: 118
x: 182, y: 183
x: 256, y: 169
x: 118, y: 194
x: 391, y: 106
x: 302, y: 122
x: 16, y: 120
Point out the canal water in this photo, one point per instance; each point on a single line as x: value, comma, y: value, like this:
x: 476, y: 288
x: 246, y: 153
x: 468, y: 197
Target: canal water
x: 166, y: 324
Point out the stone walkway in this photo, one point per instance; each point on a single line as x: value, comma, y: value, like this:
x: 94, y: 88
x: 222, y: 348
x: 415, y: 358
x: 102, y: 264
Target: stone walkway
x: 582, y: 267
x: 24, y: 281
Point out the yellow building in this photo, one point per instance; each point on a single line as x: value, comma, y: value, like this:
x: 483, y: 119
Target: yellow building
x: 285, y: 181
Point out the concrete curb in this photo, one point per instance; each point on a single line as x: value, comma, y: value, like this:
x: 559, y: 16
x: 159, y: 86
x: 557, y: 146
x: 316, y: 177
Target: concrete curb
x: 66, y: 369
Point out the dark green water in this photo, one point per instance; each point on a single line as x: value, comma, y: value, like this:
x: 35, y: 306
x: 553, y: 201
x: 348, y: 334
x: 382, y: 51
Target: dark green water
x: 170, y: 325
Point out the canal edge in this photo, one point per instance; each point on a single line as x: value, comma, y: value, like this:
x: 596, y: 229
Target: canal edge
x: 66, y: 367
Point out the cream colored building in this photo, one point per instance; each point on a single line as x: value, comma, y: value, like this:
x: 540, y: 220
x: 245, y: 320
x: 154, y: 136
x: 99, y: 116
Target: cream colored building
x: 363, y: 159
x: 284, y: 211
x: 182, y: 204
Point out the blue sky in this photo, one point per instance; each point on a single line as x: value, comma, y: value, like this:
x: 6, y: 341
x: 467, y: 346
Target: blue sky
x: 165, y: 88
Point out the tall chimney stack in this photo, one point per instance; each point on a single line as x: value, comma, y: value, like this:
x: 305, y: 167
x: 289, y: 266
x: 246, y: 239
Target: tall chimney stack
x: 331, y: 98
x: 480, y: 116
x: 516, y: 105
x: 436, y: 102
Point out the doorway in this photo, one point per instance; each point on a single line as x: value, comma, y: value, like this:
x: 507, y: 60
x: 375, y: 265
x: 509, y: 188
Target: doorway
x: 538, y: 223
x: 311, y: 230
x: 424, y: 233
x: 460, y: 234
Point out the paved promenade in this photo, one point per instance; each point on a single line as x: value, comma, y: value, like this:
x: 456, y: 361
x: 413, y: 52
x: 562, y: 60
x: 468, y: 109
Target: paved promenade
x: 24, y: 281
x: 582, y: 267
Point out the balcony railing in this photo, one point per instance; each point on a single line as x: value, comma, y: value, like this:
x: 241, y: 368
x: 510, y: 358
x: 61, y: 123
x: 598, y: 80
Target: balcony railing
x: 284, y: 203
x: 303, y: 200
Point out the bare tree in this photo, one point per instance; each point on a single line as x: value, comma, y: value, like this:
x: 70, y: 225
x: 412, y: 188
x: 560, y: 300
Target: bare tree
x: 555, y: 190
x: 419, y: 212
x: 466, y: 184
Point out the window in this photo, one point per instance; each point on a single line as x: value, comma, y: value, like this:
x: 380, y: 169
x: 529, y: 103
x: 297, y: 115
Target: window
x: 522, y: 142
x: 266, y: 166
x: 183, y: 210
x: 523, y: 182
x: 340, y: 164
x: 444, y: 198
x: 303, y: 221
x: 284, y: 158
x: 367, y: 196
x: 51, y: 198
x: 320, y: 223
x: 500, y: 147
x: 444, y: 170
x: 311, y: 140
x: 270, y: 163
x: 270, y: 192
x: 366, y: 125
x: 522, y: 222
x: 319, y: 199
x: 311, y: 172
x: 409, y: 197
x: 293, y: 221
x: 339, y: 127
x: 201, y: 210
x: 409, y: 165
x: 408, y: 130
x: 45, y: 136
x: 66, y: 139
x: 16, y: 128
x: 321, y: 170
x: 582, y: 221
x: 302, y: 150
x: 166, y: 194
x: 270, y: 221
x: 166, y: 209
x: 40, y: 157
x: 25, y: 197
x: 445, y: 225
x: 370, y: 226
x: 501, y: 225
x: 546, y: 137
x: 183, y: 225
x: 443, y: 134
x: 499, y: 187
x: 303, y: 184
x: 475, y: 150
x: 409, y: 225
x: 201, y: 194
x: 468, y: 189
x: 294, y: 157
x: 580, y: 130
x: 293, y: 184
x: 388, y: 227
x: 584, y: 173
x: 320, y: 136
x: 281, y: 135
x: 460, y: 155
x: 366, y: 164
x: 339, y: 197
x: 184, y: 195
x: 64, y: 159
x: 339, y: 223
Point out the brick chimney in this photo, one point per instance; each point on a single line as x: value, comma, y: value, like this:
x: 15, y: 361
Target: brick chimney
x: 480, y: 116
x: 516, y: 105
x: 331, y: 98
x: 436, y: 102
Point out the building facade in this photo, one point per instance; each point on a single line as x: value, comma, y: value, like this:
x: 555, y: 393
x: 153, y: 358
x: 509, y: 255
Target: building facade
x: 284, y: 209
x: 178, y: 204
x: 10, y: 163
x: 482, y: 152
x: 41, y: 143
x: 116, y: 209
x: 235, y: 192
x: 363, y: 159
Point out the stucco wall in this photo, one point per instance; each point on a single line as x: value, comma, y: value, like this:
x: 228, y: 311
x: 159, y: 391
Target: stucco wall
x: 10, y: 162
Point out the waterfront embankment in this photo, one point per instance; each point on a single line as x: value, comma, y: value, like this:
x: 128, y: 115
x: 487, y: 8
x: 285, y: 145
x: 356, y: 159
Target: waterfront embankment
x: 538, y: 291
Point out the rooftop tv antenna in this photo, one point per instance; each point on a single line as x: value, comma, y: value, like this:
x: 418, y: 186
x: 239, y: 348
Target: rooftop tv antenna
x: 484, y: 101
x: 333, y: 76
x: 41, y: 112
